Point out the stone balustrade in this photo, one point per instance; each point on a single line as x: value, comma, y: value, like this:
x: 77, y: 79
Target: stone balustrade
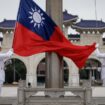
x: 54, y: 96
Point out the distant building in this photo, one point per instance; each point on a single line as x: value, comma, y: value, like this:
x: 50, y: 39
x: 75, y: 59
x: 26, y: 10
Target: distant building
x: 33, y: 68
x: 90, y: 26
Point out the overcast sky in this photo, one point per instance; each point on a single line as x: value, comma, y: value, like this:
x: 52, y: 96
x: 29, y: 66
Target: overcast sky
x: 85, y: 9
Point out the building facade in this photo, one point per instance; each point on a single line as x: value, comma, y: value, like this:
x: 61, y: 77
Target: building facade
x: 32, y: 68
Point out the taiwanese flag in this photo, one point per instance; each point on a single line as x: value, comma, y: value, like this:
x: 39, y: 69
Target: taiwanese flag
x: 35, y: 32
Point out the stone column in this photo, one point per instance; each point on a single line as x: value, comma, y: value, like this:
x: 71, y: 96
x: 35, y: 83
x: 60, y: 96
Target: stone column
x: 32, y: 80
x: 88, y: 96
x: 66, y: 31
x: 54, y: 72
x: 21, y: 94
x: 30, y: 73
x: 74, y: 80
x: 73, y: 75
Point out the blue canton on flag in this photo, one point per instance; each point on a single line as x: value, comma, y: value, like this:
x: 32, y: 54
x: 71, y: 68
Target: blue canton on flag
x: 35, y: 19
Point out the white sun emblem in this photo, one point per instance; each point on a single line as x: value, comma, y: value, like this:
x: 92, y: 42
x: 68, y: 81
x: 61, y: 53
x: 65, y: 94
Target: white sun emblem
x: 36, y: 18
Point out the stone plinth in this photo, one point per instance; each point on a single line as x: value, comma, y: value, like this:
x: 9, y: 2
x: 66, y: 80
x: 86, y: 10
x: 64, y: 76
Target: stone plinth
x: 54, y: 96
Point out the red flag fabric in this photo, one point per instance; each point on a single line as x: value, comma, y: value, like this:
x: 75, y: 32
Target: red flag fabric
x: 35, y: 32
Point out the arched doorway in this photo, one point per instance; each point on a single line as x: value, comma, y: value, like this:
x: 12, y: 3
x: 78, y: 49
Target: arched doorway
x: 92, y: 72
x: 41, y: 73
x: 14, y: 71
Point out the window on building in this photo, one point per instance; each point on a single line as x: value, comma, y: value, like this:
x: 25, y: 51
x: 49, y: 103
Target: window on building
x: 74, y: 37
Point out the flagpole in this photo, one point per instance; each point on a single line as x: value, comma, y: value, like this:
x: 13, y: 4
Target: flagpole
x: 54, y: 62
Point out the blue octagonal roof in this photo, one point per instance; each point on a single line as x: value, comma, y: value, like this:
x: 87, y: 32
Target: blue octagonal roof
x: 89, y: 24
x: 7, y: 23
x: 10, y: 24
x: 67, y: 16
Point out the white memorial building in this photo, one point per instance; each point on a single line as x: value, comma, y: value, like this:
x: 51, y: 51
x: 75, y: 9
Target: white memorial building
x: 33, y: 68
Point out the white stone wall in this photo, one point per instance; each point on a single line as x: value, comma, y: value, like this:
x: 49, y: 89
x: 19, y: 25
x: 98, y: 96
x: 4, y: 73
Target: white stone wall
x: 90, y: 38
x: 73, y: 73
x: 32, y: 62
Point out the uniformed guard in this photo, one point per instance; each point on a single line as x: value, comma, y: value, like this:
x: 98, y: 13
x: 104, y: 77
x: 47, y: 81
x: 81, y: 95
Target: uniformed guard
x: 3, y: 57
x: 102, y: 58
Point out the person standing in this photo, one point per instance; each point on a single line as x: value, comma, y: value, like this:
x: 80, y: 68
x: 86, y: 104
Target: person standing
x: 102, y: 57
x: 3, y: 57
